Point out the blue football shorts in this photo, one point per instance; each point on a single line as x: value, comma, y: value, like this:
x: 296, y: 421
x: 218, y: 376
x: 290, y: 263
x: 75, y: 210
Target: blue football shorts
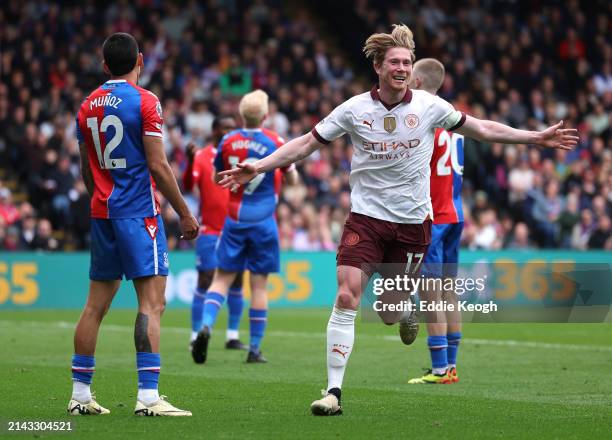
x: 442, y: 256
x: 134, y: 247
x: 254, y: 246
x: 206, y: 255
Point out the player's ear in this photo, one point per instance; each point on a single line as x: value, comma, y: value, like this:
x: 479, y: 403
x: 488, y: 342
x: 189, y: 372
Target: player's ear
x: 140, y: 60
x: 105, y: 68
x: 377, y: 67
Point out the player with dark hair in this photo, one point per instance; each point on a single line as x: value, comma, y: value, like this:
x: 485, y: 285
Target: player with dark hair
x: 214, y: 200
x: 119, y: 130
x: 391, y: 129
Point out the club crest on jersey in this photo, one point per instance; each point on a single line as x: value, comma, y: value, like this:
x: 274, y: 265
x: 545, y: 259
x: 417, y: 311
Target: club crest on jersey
x: 352, y: 238
x: 151, y: 227
x: 390, y: 124
x: 412, y: 121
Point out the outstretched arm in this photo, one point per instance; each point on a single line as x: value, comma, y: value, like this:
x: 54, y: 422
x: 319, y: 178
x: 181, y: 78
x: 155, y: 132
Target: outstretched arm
x: 291, y: 152
x: 554, y: 136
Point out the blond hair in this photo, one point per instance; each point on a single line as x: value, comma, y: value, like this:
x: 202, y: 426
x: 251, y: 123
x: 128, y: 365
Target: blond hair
x: 376, y: 45
x: 431, y: 73
x: 253, y: 108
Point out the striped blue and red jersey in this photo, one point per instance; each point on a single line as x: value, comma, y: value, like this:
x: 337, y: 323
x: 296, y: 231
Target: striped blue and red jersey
x: 111, y: 123
x: 447, y: 177
x: 255, y: 201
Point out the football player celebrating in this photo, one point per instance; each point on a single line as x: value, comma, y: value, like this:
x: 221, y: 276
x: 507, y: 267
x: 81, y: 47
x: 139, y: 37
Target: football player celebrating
x: 250, y: 235
x: 392, y: 130
x: 214, y: 199
x: 443, y: 328
x: 119, y: 129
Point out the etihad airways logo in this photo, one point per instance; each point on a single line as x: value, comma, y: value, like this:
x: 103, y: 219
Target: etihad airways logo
x: 390, y: 150
x: 381, y: 147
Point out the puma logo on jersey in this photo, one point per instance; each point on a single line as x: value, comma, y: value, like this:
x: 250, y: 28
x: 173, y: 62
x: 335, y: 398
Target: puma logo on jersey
x: 369, y: 124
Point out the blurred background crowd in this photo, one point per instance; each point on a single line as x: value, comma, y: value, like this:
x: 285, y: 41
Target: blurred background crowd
x: 527, y: 64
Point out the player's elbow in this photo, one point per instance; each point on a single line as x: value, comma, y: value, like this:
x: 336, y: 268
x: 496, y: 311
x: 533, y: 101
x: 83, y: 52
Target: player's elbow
x: 158, y: 169
x: 483, y: 132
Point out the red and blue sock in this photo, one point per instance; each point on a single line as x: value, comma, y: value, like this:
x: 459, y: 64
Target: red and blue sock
x: 257, y: 320
x: 454, y: 338
x: 212, y: 304
x: 235, y: 302
x: 148, y: 366
x: 197, y: 309
x: 83, y: 368
x: 438, y: 350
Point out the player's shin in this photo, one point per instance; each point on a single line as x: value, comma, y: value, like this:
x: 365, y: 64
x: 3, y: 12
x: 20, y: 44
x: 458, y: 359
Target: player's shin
x: 453, y: 347
x: 258, y: 319
x: 212, y: 304
x: 438, y: 350
x: 235, y: 302
x: 197, y: 309
x: 340, y: 338
x: 148, y: 362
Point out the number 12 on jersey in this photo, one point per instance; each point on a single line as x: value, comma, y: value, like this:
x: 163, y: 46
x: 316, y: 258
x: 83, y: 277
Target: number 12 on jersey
x: 105, y: 160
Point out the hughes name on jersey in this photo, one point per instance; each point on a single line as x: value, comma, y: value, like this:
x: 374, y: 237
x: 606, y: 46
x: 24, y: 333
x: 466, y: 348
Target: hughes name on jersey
x: 255, y: 201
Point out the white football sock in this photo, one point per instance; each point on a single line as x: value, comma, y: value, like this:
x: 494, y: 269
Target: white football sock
x: 148, y: 396
x: 194, y: 335
x: 340, y: 338
x: 81, y: 392
x: 231, y: 334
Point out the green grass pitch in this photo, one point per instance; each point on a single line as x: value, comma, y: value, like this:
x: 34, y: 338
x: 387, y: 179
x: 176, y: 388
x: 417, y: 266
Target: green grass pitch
x: 516, y: 381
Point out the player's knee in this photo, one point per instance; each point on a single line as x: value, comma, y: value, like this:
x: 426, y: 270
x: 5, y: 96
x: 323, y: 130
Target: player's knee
x: 345, y: 299
x: 97, y: 311
x: 390, y: 318
x: 205, y: 279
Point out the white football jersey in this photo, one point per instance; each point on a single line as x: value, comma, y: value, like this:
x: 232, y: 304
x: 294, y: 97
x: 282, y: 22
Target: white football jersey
x: 392, y: 150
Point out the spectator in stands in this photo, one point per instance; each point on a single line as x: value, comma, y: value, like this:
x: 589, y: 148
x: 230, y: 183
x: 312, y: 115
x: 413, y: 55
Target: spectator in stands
x: 582, y: 231
x: 201, y: 55
x: 600, y: 237
x: 44, y: 240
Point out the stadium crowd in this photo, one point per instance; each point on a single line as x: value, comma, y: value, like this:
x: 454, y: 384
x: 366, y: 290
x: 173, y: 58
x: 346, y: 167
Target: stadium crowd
x: 528, y: 67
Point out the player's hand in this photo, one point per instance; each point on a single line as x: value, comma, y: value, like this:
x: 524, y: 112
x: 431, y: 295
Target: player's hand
x: 190, y: 151
x: 243, y: 173
x: 556, y: 136
x: 189, y: 227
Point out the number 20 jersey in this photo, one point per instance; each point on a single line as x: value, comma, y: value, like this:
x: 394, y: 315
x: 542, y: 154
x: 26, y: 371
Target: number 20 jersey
x: 447, y: 177
x: 111, y: 123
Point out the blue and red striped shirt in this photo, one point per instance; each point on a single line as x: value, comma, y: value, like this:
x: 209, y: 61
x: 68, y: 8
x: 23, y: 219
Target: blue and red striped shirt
x: 255, y: 201
x: 111, y: 123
